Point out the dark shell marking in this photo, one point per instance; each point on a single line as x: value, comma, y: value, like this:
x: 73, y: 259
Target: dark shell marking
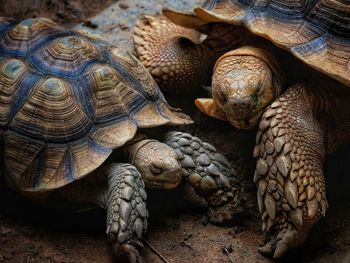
x: 66, y: 101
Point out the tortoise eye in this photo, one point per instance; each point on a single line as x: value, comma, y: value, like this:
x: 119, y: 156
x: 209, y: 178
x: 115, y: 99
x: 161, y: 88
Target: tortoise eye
x: 222, y: 97
x: 155, y: 169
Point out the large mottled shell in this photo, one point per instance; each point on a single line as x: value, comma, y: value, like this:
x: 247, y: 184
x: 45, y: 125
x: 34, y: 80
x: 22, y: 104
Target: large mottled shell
x: 315, y: 31
x: 66, y: 101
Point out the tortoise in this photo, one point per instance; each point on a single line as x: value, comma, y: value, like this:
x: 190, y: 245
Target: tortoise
x: 282, y: 66
x: 68, y: 100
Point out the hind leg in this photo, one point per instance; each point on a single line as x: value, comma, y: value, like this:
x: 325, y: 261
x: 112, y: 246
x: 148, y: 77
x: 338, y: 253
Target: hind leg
x: 172, y: 54
x: 290, y: 148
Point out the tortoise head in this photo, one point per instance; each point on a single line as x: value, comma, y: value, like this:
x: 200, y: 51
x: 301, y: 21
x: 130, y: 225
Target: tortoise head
x: 245, y: 81
x: 157, y: 163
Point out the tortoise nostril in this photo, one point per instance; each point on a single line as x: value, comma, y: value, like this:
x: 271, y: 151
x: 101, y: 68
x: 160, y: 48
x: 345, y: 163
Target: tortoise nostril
x: 240, y: 103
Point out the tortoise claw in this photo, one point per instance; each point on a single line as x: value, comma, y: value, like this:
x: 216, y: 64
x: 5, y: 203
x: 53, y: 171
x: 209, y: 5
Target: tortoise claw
x: 279, y: 243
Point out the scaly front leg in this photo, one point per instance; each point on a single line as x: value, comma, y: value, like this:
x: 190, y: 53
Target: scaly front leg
x: 125, y: 201
x: 210, y: 174
x: 290, y: 147
x: 119, y: 188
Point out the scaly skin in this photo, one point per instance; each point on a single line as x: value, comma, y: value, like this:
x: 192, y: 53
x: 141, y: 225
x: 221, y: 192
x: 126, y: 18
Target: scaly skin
x: 125, y: 202
x: 295, y: 133
x: 292, y: 142
x: 245, y: 81
x: 167, y: 52
x: 182, y: 59
x: 120, y: 187
x: 210, y: 175
x: 244, y: 84
x: 289, y: 172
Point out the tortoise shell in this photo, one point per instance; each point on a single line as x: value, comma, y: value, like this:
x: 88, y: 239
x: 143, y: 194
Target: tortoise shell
x: 66, y: 101
x: 315, y: 31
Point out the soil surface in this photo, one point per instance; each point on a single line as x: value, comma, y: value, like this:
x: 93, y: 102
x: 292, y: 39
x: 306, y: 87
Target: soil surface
x: 178, y: 231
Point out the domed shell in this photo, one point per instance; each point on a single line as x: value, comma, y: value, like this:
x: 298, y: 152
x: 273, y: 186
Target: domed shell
x: 315, y: 31
x: 66, y: 101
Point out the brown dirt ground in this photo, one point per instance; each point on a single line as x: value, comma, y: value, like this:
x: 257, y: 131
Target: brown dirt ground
x: 64, y: 12
x: 32, y: 232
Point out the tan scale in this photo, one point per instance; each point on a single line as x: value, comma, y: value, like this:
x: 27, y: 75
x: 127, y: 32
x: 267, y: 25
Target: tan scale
x: 159, y: 44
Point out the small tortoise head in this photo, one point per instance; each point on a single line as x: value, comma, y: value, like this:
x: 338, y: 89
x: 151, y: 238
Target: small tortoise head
x: 157, y: 163
x: 245, y: 81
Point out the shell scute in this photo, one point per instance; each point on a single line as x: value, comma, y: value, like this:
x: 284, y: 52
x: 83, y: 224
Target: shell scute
x: 88, y: 155
x: 20, y: 159
x: 106, y: 87
x: 29, y: 35
x: 6, y: 23
x: 51, y: 113
x: 66, y: 57
x: 14, y: 73
x: 114, y: 135
x: 142, y: 78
